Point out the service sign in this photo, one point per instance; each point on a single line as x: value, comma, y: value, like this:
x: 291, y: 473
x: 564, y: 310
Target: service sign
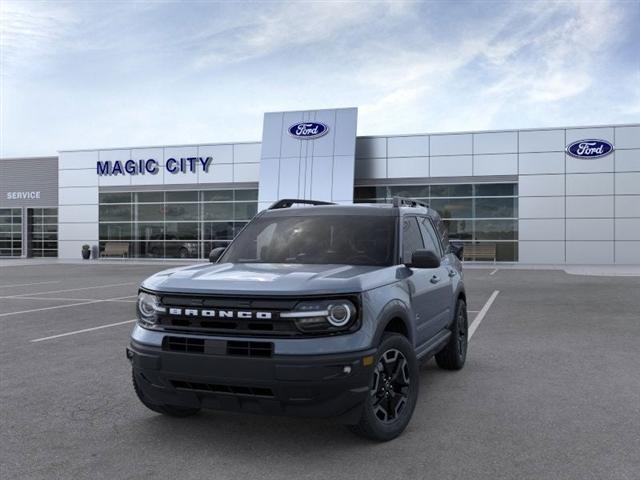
x: 589, y: 149
x: 308, y: 130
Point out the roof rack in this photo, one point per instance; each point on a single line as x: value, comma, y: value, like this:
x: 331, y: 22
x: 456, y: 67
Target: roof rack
x: 288, y: 202
x: 407, y: 202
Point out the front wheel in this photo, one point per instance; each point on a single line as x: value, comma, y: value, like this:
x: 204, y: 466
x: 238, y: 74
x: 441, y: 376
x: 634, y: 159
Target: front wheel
x: 454, y: 354
x: 393, y: 391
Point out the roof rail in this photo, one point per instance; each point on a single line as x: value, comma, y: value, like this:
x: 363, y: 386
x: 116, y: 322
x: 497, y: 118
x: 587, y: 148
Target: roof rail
x: 407, y: 202
x: 288, y: 202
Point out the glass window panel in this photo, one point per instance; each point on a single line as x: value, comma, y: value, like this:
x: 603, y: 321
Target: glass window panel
x: 496, y: 207
x: 411, y: 191
x: 218, y: 231
x: 246, y: 194
x: 181, y: 249
x: 150, y: 197
x: 218, y: 211
x: 150, y: 231
x: 411, y: 238
x: 217, y: 195
x: 150, y: 213
x: 115, y: 213
x: 191, y: 196
x: 17, y: 213
x: 495, y: 189
x: 5, y: 220
x: 115, y: 197
x: 181, y: 211
x: 370, y: 192
x: 507, y: 252
x: 245, y: 211
x: 496, y: 229
x: 238, y: 226
x: 464, y: 190
x: 459, y: 229
x: 115, y: 231
x: 453, y: 208
x: 181, y: 231
x: 431, y: 240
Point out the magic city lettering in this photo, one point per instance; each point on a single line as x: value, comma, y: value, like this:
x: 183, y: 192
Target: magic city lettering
x: 152, y: 167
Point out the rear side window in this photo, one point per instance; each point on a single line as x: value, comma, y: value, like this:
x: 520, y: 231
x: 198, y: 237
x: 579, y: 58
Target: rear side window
x: 431, y: 241
x: 411, y: 238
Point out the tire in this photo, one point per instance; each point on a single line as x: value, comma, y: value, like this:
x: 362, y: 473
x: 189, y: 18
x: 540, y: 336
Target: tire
x: 183, y: 253
x: 389, y: 406
x: 454, y: 354
x: 170, y: 410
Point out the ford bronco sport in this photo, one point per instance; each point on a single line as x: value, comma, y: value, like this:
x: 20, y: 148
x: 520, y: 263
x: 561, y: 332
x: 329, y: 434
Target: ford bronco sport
x: 314, y: 309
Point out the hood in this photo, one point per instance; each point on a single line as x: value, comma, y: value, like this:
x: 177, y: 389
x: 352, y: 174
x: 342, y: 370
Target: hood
x: 270, y: 279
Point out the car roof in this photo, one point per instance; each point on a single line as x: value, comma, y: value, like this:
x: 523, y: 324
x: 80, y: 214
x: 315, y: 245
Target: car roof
x: 364, y: 209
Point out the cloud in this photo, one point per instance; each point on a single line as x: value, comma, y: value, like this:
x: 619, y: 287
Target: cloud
x: 79, y: 74
x: 30, y: 30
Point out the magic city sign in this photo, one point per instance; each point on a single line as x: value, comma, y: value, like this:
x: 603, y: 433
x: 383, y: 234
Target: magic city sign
x: 589, y: 148
x: 151, y: 166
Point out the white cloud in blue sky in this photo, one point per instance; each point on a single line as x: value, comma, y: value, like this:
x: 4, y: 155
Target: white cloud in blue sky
x: 97, y: 74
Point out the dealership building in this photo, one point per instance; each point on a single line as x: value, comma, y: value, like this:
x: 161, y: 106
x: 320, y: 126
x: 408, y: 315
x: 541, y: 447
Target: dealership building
x: 567, y: 195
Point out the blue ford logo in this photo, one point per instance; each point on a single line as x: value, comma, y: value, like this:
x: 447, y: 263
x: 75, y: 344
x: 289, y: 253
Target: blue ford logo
x: 590, y: 148
x: 308, y: 130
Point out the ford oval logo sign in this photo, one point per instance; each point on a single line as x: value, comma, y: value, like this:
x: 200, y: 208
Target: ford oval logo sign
x: 308, y: 130
x: 590, y: 148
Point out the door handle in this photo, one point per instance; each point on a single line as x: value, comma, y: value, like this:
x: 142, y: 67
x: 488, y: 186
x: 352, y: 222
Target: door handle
x: 435, y: 279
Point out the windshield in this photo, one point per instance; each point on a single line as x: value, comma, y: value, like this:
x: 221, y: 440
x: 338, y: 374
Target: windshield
x: 338, y: 239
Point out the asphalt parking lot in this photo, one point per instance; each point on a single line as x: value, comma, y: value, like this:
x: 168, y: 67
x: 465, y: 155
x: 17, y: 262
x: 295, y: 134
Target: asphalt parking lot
x: 551, y: 390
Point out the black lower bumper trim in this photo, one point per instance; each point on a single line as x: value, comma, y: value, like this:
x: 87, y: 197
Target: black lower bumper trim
x: 313, y: 385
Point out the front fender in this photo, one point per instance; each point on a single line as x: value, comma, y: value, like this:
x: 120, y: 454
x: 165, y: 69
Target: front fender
x: 395, y: 309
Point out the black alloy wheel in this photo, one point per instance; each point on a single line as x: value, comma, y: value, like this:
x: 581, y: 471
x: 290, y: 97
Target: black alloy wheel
x: 454, y: 355
x: 393, y: 390
x: 390, y: 390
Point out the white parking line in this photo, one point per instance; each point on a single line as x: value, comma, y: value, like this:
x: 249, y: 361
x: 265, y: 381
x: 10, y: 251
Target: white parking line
x: 81, y: 331
x: 494, y: 271
x: 70, y: 289
x: 28, y: 284
x: 67, y: 299
x: 58, y: 306
x: 476, y: 321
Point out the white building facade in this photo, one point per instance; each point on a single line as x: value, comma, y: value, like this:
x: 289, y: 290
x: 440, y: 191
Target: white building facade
x: 528, y: 194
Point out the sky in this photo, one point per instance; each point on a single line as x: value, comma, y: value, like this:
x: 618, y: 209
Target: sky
x: 97, y: 74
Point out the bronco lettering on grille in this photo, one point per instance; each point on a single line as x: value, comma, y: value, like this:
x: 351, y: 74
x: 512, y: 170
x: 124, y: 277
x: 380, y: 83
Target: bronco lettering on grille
x: 240, y: 314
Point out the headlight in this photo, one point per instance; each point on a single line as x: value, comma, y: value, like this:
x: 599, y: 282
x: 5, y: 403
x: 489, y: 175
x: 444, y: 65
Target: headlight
x: 323, y: 316
x: 148, y: 308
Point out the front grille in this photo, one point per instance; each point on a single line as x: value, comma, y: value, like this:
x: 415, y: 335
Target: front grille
x: 223, y: 389
x: 250, y: 349
x: 274, y: 326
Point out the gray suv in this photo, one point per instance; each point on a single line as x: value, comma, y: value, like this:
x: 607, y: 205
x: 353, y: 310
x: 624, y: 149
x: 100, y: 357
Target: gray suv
x: 314, y: 309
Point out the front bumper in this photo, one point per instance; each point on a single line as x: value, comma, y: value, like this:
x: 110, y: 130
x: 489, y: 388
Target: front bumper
x: 332, y: 385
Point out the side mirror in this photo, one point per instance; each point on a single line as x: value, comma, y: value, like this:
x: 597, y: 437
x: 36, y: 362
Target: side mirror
x: 457, y: 249
x: 215, y: 254
x: 424, y: 259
